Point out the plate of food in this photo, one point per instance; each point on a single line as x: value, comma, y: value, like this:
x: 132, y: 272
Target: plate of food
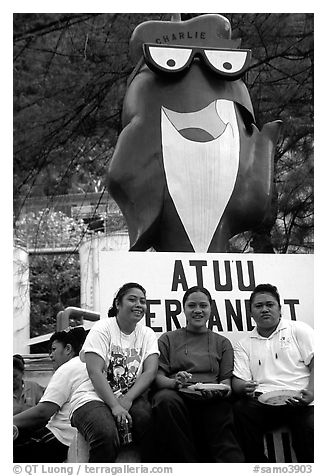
x: 277, y: 397
x: 195, y: 391
x: 208, y: 386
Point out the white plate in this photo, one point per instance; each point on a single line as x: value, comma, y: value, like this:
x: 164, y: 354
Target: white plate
x: 208, y: 386
x: 277, y: 397
x: 195, y: 391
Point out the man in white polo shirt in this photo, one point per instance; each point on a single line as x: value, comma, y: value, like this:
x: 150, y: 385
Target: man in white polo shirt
x: 276, y: 356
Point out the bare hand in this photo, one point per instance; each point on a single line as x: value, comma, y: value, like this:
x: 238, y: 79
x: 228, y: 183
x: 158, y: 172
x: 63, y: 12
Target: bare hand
x: 306, y: 396
x: 249, y: 387
x: 182, y: 377
x: 120, y: 414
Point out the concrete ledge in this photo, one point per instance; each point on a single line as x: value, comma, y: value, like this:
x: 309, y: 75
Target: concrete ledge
x: 79, y: 452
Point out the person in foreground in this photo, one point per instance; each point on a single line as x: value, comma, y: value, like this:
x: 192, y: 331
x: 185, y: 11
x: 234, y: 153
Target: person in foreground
x: 26, y: 393
x: 43, y: 433
x: 193, y: 426
x: 277, y: 355
x: 121, y: 356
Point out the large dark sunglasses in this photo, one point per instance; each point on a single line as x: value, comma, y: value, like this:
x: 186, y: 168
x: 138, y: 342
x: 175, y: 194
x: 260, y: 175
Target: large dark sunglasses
x: 230, y: 63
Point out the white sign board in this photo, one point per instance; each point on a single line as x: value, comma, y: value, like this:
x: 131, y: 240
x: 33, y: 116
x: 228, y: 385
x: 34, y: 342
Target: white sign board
x: 230, y: 278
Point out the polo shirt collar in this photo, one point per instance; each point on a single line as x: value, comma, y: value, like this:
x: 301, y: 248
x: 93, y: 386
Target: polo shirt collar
x: 281, y: 325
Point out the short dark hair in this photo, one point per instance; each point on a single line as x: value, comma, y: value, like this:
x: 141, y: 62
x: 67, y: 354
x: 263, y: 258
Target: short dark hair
x: 113, y: 311
x: 18, y: 362
x: 196, y: 289
x: 75, y: 337
x: 265, y: 288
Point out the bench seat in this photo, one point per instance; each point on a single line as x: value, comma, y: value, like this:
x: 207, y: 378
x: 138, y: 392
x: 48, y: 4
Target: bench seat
x: 277, y: 444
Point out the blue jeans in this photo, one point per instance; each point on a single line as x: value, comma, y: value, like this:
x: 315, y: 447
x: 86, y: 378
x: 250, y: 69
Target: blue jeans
x: 96, y: 423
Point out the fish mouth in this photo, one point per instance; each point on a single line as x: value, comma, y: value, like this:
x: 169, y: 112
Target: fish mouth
x: 203, y: 125
x: 201, y: 152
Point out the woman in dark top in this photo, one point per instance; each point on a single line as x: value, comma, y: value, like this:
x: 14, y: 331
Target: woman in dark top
x: 193, y: 425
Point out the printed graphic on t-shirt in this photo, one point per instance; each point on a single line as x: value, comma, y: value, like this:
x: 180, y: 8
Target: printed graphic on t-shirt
x: 122, y: 368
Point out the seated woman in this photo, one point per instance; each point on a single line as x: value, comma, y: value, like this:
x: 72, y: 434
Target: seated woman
x: 42, y: 434
x: 195, y: 427
x: 121, y: 356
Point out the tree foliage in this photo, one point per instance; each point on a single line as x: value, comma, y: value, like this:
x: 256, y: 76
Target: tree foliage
x: 69, y: 81
x: 70, y: 73
x: 280, y: 82
x: 54, y: 279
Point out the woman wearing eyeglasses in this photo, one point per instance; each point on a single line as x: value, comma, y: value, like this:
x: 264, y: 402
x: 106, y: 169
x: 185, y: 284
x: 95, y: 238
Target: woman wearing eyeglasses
x: 121, y: 356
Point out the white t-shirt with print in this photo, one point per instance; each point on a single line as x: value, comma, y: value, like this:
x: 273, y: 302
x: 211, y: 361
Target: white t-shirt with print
x: 123, y: 355
x: 62, y: 385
